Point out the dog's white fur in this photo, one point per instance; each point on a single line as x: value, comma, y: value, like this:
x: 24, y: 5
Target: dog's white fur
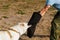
x: 15, y: 36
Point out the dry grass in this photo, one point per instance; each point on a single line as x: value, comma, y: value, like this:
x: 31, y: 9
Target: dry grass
x: 14, y: 11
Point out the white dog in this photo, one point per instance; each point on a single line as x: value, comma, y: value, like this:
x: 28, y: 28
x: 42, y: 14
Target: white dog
x: 15, y: 32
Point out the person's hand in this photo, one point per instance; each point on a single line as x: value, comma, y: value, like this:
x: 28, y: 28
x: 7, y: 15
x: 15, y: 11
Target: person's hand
x: 43, y: 11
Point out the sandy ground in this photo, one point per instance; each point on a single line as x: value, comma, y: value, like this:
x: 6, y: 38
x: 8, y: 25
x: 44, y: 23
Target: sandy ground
x: 15, y: 11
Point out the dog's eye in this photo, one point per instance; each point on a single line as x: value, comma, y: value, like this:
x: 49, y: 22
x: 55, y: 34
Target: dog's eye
x: 22, y: 24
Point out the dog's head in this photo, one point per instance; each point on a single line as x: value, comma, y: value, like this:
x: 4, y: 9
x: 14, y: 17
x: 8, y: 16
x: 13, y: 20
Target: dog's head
x: 23, y: 27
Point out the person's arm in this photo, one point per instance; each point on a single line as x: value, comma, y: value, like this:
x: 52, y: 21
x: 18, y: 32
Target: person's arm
x: 43, y: 11
x: 36, y: 16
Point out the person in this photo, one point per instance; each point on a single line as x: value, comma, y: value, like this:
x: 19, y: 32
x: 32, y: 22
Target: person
x: 55, y: 28
x: 55, y: 31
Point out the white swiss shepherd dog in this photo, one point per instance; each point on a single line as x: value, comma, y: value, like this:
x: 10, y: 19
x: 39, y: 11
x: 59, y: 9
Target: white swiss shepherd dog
x: 15, y: 33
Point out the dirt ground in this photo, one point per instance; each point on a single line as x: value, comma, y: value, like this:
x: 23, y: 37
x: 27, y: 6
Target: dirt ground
x: 15, y: 11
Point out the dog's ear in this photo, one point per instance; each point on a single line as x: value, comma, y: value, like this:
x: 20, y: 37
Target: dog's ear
x: 21, y: 24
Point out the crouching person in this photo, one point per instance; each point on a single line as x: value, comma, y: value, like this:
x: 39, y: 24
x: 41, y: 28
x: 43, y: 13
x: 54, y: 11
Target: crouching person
x: 55, y: 29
